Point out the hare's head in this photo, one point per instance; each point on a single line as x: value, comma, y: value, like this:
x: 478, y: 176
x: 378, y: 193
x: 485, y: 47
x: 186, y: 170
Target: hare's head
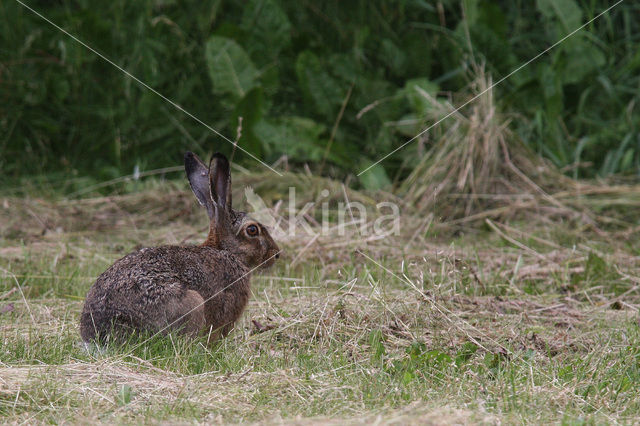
x: 230, y: 230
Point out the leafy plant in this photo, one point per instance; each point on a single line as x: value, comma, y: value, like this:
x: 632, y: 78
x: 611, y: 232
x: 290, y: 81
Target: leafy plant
x: 336, y: 82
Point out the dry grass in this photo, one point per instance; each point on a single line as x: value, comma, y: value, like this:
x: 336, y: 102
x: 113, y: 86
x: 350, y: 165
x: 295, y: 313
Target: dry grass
x: 444, y: 323
x: 476, y: 168
x: 475, y: 162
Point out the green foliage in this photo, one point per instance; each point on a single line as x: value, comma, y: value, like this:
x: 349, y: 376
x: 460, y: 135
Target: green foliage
x: 297, y: 137
x: 287, y: 68
x: 376, y: 340
x: 579, y: 98
x: 230, y: 69
x: 599, y: 272
x: 124, y: 395
x: 420, y: 362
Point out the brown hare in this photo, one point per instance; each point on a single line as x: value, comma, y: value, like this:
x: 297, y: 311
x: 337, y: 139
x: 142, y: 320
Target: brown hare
x: 190, y: 289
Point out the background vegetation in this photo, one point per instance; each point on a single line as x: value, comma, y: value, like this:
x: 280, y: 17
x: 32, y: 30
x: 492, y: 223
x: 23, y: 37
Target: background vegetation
x: 333, y: 84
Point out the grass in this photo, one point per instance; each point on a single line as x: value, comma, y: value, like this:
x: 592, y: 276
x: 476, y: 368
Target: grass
x: 511, y: 322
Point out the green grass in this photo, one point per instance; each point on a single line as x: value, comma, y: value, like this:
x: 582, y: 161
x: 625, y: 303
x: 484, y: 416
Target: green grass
x: 464, y: 330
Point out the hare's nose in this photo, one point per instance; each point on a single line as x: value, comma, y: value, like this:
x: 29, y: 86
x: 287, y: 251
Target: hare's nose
x: 278, y: 255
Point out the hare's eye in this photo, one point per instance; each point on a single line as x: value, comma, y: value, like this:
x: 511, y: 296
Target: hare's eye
x: 252, y: 230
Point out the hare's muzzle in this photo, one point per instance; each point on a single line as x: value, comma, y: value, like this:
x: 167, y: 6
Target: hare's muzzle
x: 272, y: 255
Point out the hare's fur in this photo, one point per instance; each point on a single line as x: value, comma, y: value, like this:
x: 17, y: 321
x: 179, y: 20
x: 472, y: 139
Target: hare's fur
x: 192, y: 289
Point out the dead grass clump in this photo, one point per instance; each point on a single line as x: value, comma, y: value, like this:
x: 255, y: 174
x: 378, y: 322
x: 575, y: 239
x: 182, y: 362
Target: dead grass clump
x: 35, y: 219
x: 477, y: 163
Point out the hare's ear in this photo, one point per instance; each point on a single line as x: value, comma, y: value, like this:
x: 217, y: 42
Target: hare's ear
x: 220, y: 182
x: 198, y: 175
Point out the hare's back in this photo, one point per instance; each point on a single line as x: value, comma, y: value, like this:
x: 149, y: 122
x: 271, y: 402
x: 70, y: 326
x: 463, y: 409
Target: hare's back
x: 138, y: 289
x: 153, y: 272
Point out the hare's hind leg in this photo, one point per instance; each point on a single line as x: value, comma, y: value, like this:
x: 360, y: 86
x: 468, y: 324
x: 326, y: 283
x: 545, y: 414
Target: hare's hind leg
x: 187, y: 314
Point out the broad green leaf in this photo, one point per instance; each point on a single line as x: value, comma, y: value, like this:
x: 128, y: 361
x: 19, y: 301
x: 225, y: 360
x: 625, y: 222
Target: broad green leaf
x: 297, y: 137
x: 346, y: 68
x: 548, y: 82
x: 581, y: 58
x: 368, y: 92
x: 407, y: 377
x: 320, y: 89
x: 374, y: 178
x: 566, y: 12
x: 393, y: 56
x: 124, y: 395
x: 408, y: 125
x: 552, y: 91
x: 268, y: 29
x: 465, y: 352
x: 230, y: 69
x: 420, y: 93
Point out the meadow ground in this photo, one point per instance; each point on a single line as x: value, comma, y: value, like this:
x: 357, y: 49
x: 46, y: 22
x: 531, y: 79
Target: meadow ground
x: 495, y: 321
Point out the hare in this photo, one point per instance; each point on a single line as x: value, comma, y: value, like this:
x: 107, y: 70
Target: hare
x: 191, y: 289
